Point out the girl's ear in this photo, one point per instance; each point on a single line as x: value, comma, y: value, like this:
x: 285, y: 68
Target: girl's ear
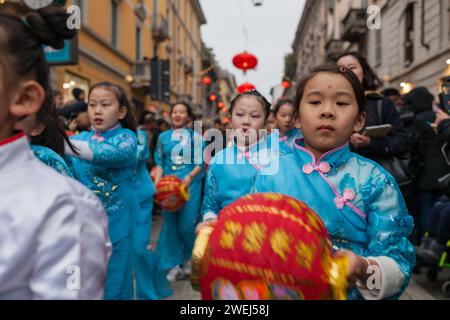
x: 296, y: 121
x: 27, y: 99
x: 38, y: 129
x: 360, y: 122
x: 123, y: 112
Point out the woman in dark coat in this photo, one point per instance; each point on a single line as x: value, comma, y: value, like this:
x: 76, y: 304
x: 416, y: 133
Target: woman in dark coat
x: 380, y: 110
x: 427, y: 148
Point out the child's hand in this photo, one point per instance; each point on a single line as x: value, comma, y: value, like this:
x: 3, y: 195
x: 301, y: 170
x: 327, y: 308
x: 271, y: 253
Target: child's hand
x: 187, y: 180
x: 358, y: 141
x: 440, y: 115
x: 208, y: 223
x: 357, y: 267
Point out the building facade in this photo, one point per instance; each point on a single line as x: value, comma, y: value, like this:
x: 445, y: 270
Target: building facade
x: 410, y: 48
x: 120, y: 38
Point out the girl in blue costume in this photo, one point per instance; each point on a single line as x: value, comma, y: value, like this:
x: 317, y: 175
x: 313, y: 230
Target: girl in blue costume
x: 284, y: 112
x: 232, y: 171
x: 151, y: 282
x: 359, y: 202
x: 179, y: 152
x: 106, y: 164
x: 47, y: 136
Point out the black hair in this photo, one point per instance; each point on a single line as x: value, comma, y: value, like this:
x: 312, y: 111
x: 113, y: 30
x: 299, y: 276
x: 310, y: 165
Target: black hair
x: 76, y: 92
x: 129, y: 121
x: 188, y: 108
x: 389, y: 92
x: 255, y: 93
x: 335, y: 69
x: 370, y: 79
x: 22, y: 55
x: 281, y: 103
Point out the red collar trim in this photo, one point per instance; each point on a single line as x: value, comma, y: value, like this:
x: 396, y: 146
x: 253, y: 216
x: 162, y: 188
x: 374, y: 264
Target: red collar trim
x: 12, y: 139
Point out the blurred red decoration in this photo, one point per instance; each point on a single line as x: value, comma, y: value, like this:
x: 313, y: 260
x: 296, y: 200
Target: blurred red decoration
x: 220, y: 105
x: 226, y: 120
x: 206, y: 81
x: 171, y: 194
x: 245, y: 61
x: 212, y: 97
x: 286, y: 84
x: 166, y: 114
x: 247, y: 86
x: 268, y: 246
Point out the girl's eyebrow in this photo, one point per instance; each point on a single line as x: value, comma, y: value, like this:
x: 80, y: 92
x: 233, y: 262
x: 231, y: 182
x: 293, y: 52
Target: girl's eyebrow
x: 314, y: 93
x: 344, y: 93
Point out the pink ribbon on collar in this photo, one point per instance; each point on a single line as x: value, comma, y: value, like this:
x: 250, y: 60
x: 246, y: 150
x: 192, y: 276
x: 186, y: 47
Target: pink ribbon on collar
x: 322, y: 167
x: 246, y: 154
x: 97, y: 136
x: 348, y: 195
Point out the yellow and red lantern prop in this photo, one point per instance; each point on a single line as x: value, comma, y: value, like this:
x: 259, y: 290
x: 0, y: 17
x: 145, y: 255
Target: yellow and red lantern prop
x: 171, y: 194
x: 267, y: 246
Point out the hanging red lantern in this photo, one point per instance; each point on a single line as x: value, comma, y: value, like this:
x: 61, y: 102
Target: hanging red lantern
x: 247, y: 86
x: 226, y: 120
x: 220, y: 105
x: 286, y: 84
x: 206, y: 80
x: 245, y: 61
x: 212, y: 97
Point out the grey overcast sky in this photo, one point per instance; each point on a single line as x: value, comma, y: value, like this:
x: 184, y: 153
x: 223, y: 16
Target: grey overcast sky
x: 271, y: 30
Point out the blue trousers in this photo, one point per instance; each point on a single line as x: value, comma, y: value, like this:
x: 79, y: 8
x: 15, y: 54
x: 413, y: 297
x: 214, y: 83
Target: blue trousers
x: 119, y: 276
x: 151, y: 281
x: 177, y: 237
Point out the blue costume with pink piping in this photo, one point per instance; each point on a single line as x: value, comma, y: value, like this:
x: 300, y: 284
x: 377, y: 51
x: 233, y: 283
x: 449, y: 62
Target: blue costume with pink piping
x: 358, y: 201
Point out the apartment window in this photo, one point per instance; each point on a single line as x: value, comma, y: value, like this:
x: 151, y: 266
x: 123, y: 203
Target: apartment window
x: 114, y: 23
x: 409, y: 35
x: 138, y: 43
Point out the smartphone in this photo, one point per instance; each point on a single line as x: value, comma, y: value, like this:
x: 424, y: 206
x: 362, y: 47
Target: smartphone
x: 378, y: 131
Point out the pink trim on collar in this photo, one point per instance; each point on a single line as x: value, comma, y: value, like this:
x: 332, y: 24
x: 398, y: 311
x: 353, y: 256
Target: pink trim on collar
x: 315, y: 161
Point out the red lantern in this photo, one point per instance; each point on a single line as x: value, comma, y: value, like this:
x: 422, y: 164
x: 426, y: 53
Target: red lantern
x: 171, y: 194
x: 206, y: 81
x: 220, y: 105
x: 226, y: 120
x: 247, y: 86
x: 268, y: 246
x: 212, y: 97
x: 245, y: 61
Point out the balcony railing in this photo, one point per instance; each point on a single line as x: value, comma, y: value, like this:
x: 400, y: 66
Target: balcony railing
x: 354, y: 25
x: 160, y: 29
x: 142, y: 73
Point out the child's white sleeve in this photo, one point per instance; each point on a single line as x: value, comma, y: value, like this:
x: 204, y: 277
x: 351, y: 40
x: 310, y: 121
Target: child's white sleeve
x: 83, y: 150
x: 387, y: 283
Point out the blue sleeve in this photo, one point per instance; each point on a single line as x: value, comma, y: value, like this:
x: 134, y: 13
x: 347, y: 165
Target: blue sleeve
x: 143, y: 151
x: 159, y: 153
x: 120, y: 151
x: 210, y: 202
x: 389, y: 226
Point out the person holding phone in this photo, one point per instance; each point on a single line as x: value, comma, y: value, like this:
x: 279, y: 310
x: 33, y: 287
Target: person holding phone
x: 427, y: 150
